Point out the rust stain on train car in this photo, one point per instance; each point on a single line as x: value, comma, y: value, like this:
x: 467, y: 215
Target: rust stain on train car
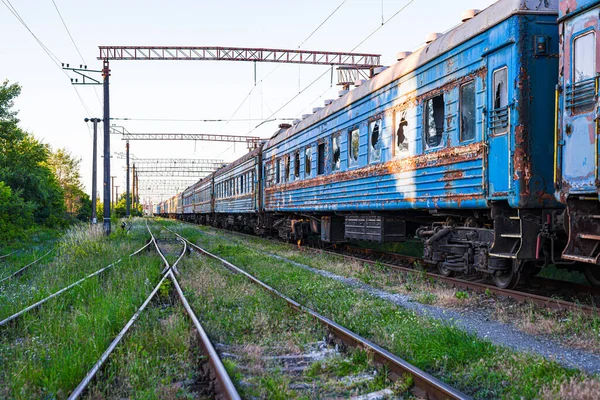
x: 450, y: 156
x: 521, y: 161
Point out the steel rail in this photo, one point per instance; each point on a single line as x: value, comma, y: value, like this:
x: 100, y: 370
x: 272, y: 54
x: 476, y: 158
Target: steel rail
x: 44, y: 300
x: 92, y: 372
x: 522, y: 297
x: 478, y: 287
x: 78, y: 391
x: 424, y: 383
x: 9, y: 254
x: 25, y: 267
x: 225, y: 386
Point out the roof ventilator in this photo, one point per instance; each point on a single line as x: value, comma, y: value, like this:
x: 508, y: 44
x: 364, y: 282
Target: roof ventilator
x: 402, y: 55
x: 469, y: 14
x: 432, y: 37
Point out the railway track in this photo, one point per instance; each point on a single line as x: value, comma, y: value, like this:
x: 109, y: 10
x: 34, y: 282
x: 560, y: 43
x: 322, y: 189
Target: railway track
x: 68, y: 287
x: 539, y: 295
x: 543, y: 298
x: 23, y: 269
x: 165, y: 248
x: 425, y: 385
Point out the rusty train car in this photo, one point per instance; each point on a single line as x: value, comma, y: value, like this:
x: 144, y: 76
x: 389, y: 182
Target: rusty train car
x: 455, y: 144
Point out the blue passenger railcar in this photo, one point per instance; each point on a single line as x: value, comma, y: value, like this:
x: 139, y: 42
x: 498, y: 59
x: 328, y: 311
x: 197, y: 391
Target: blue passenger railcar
x: 577, y: 131
x: 188, y: 203
x: 204, y: 200
x: 455, y: 137
x: 236, y: 195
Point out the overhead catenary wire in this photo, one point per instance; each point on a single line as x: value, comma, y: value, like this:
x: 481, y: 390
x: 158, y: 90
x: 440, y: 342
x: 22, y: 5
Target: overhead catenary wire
x: 354, y: 48
x: 276, y: 67
x: 74, y: 44
x: 55, y: 60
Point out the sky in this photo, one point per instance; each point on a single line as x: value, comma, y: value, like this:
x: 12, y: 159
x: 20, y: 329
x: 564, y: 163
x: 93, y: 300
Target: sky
x: 54, y: 110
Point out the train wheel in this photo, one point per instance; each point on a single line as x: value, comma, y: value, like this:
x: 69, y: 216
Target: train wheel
x: 444, y: 271
x: 592, y: 274
x: 507, y: 279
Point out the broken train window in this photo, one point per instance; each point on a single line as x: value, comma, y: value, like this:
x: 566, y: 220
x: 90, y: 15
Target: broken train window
x: 307, y: 161
x: 375, y: 141
x: 336, y: 150
x: 320, y: 158
x: 467, y: 111
x: 499, y: 117
x: 353, y: 145
x: 401, y: 139
x: 297, y: 164
x: 433, y: 112
x: 287, y: 168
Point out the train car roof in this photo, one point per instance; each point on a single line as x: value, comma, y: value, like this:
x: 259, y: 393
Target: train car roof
x: 239, y: 161
x: 486, y: 19
x: 569, y: 8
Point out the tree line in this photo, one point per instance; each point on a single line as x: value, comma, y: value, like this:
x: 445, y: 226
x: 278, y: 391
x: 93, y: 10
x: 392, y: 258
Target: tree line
x: 39, y: 186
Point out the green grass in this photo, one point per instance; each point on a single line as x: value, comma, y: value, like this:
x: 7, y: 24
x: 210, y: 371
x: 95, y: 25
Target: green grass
x: 46, y: 352
x: 157, y: 359
x: 237, y: 313
x: 473, y: 365
x: 571, y: 327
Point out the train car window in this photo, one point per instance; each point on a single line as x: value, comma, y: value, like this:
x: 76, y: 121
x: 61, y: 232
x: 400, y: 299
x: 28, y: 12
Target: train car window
x: 467, y: 111
x: 287, y: 168
x: 434, y: 121
x: 277, y: 172
x: 307, y: 161
x: 353, y: 146
x: 584, y: 70
x: 297, y: 164
x: 401, y: 139
x: 375, y: 141
x: 242, y: 184
x: 584, y: 57
x: 500, y: 116
x: 321, y: 159
x: 336, y: 149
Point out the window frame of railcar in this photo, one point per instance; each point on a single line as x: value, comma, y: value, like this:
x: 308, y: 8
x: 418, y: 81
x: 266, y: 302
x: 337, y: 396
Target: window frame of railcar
x: 297, y: 164
x: 287, y: 167
x: 352, y: 160
x: 375, y: 154
x: 277, y: 171
x: 308, y: 162
x: 336, y: 165
x: 429, y: 103
x: 499, y: 121
x: 399, y: 116
x: 578, y: 85
x: 461, y: 108
x: 321, y: 155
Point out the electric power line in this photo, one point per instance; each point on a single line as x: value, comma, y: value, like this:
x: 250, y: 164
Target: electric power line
x: 274, y: 69
x: 355, y: 47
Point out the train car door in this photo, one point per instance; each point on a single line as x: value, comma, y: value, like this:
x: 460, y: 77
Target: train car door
x: 500, y: 93
x: 579, y: 124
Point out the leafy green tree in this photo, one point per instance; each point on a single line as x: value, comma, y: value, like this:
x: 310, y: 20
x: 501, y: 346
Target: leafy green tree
x: 23, y: 168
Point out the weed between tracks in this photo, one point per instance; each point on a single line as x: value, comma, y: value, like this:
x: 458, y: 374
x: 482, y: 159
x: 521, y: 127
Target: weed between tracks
x: 573, y: 328
x: 46, y: 352
x: 464, y: 361
x: 270, y: 350
x: 159, y: 358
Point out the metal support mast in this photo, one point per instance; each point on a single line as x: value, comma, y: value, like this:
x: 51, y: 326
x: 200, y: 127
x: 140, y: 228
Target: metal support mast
x: 127, y: 198
x: 106, y: 75
x: 94, y: 219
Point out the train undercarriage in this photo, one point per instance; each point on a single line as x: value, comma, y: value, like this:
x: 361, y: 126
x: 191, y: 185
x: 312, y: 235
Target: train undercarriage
x: 508, y: 245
